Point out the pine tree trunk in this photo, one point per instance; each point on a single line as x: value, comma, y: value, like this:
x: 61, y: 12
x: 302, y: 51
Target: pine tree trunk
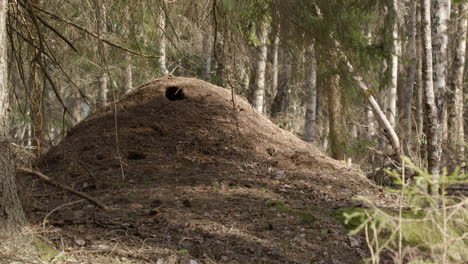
x: 456, y: 130
x: 12, y: 217
x: 433, y: 127
x: 335, y: 118
x: 311, y: 88
x: 162, y: 43
x: 259, y: 86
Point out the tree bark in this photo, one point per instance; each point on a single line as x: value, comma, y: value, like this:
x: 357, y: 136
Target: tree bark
x: 12, y: 217
x: 410, y: 68
x: 259, y: 86
x: 281, y: 100
x: 37, y: 106
x: 335, y: 118
x: 274, y: 60
x: 162, y: 43
x: 456, y: 130
x: 128, y: 73
x: 207, y: 54
x: 420, y: 86
x: 103, y: 87
x: 392, y: 85
x: 311, y: 88
x: 433, y: 128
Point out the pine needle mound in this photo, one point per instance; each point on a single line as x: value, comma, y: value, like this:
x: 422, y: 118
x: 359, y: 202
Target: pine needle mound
x: 197, y: 176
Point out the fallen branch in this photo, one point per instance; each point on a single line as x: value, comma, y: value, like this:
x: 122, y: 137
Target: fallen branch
x: 48, y: 180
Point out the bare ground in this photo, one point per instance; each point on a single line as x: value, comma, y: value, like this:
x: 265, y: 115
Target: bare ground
x: 200, y: 179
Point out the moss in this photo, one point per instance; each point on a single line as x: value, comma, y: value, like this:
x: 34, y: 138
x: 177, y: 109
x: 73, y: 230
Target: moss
x: 44, y: 250
x: 280, y: 206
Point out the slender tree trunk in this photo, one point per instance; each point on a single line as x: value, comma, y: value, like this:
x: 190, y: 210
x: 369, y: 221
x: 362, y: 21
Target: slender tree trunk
x: 207, y: 54
x: 128, y: 73
x: 274, y: 60
x: 162, y: 42
x: 392, y: 86
x: 420, y: 86
x: 411, y: 67
x: 456, y: 121
x: 103, y: 87
x: 335, y: 118
x: 259, y: 86
x: 432, y: 112
x: 311, y: 88
x: 37, y: 106
x: 12, y: 217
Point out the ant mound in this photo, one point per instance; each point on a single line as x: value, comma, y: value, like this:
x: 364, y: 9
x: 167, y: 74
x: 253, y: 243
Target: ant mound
x: 199, y: 175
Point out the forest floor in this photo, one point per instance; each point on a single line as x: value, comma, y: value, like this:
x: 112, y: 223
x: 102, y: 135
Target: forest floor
x: 195, y: 180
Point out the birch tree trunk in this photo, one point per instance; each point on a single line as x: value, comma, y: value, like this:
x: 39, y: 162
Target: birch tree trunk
x: 128, y: 73
x: 103, y: 87
x: 259, y: 85
x: 433, y: 126
x: 12, y: 217
x: 392, y: 85
x: 456, y: 130
x: 311, y: 88
x: 207, y: 54
x: 162, y: 43
x: 440, y: 22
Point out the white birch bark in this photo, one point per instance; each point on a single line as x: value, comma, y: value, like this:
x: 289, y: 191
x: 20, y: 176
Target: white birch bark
x: 440, y: 23
x: 392, y: 85
x: 103, y: 87
x: 207, y: 54
x: 259, y: 86
x: 162, y: 43
x: 311, y: 88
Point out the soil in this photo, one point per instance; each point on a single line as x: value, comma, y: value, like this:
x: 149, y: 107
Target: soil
x: 194, y: 178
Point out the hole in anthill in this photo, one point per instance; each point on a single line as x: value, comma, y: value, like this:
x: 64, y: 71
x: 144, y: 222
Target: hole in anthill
x: 132, y: 155
x: 174, y: 93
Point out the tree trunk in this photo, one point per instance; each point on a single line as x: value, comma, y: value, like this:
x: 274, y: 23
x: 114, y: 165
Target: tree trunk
x: 335, y: 118
x: 392, y: 85
x: 410, y: 68
x: 103, y: 88
x: 274, y: 61
x: 128, y: 73
x: 12, y: 217
x: 259, y: 86
x: 162, y: 42
x: 311, y: 88
x: 456, y: 130
x: 420, y: 86
x: 207, y: 54
x: 37, y: 106
x: 433, y: 128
